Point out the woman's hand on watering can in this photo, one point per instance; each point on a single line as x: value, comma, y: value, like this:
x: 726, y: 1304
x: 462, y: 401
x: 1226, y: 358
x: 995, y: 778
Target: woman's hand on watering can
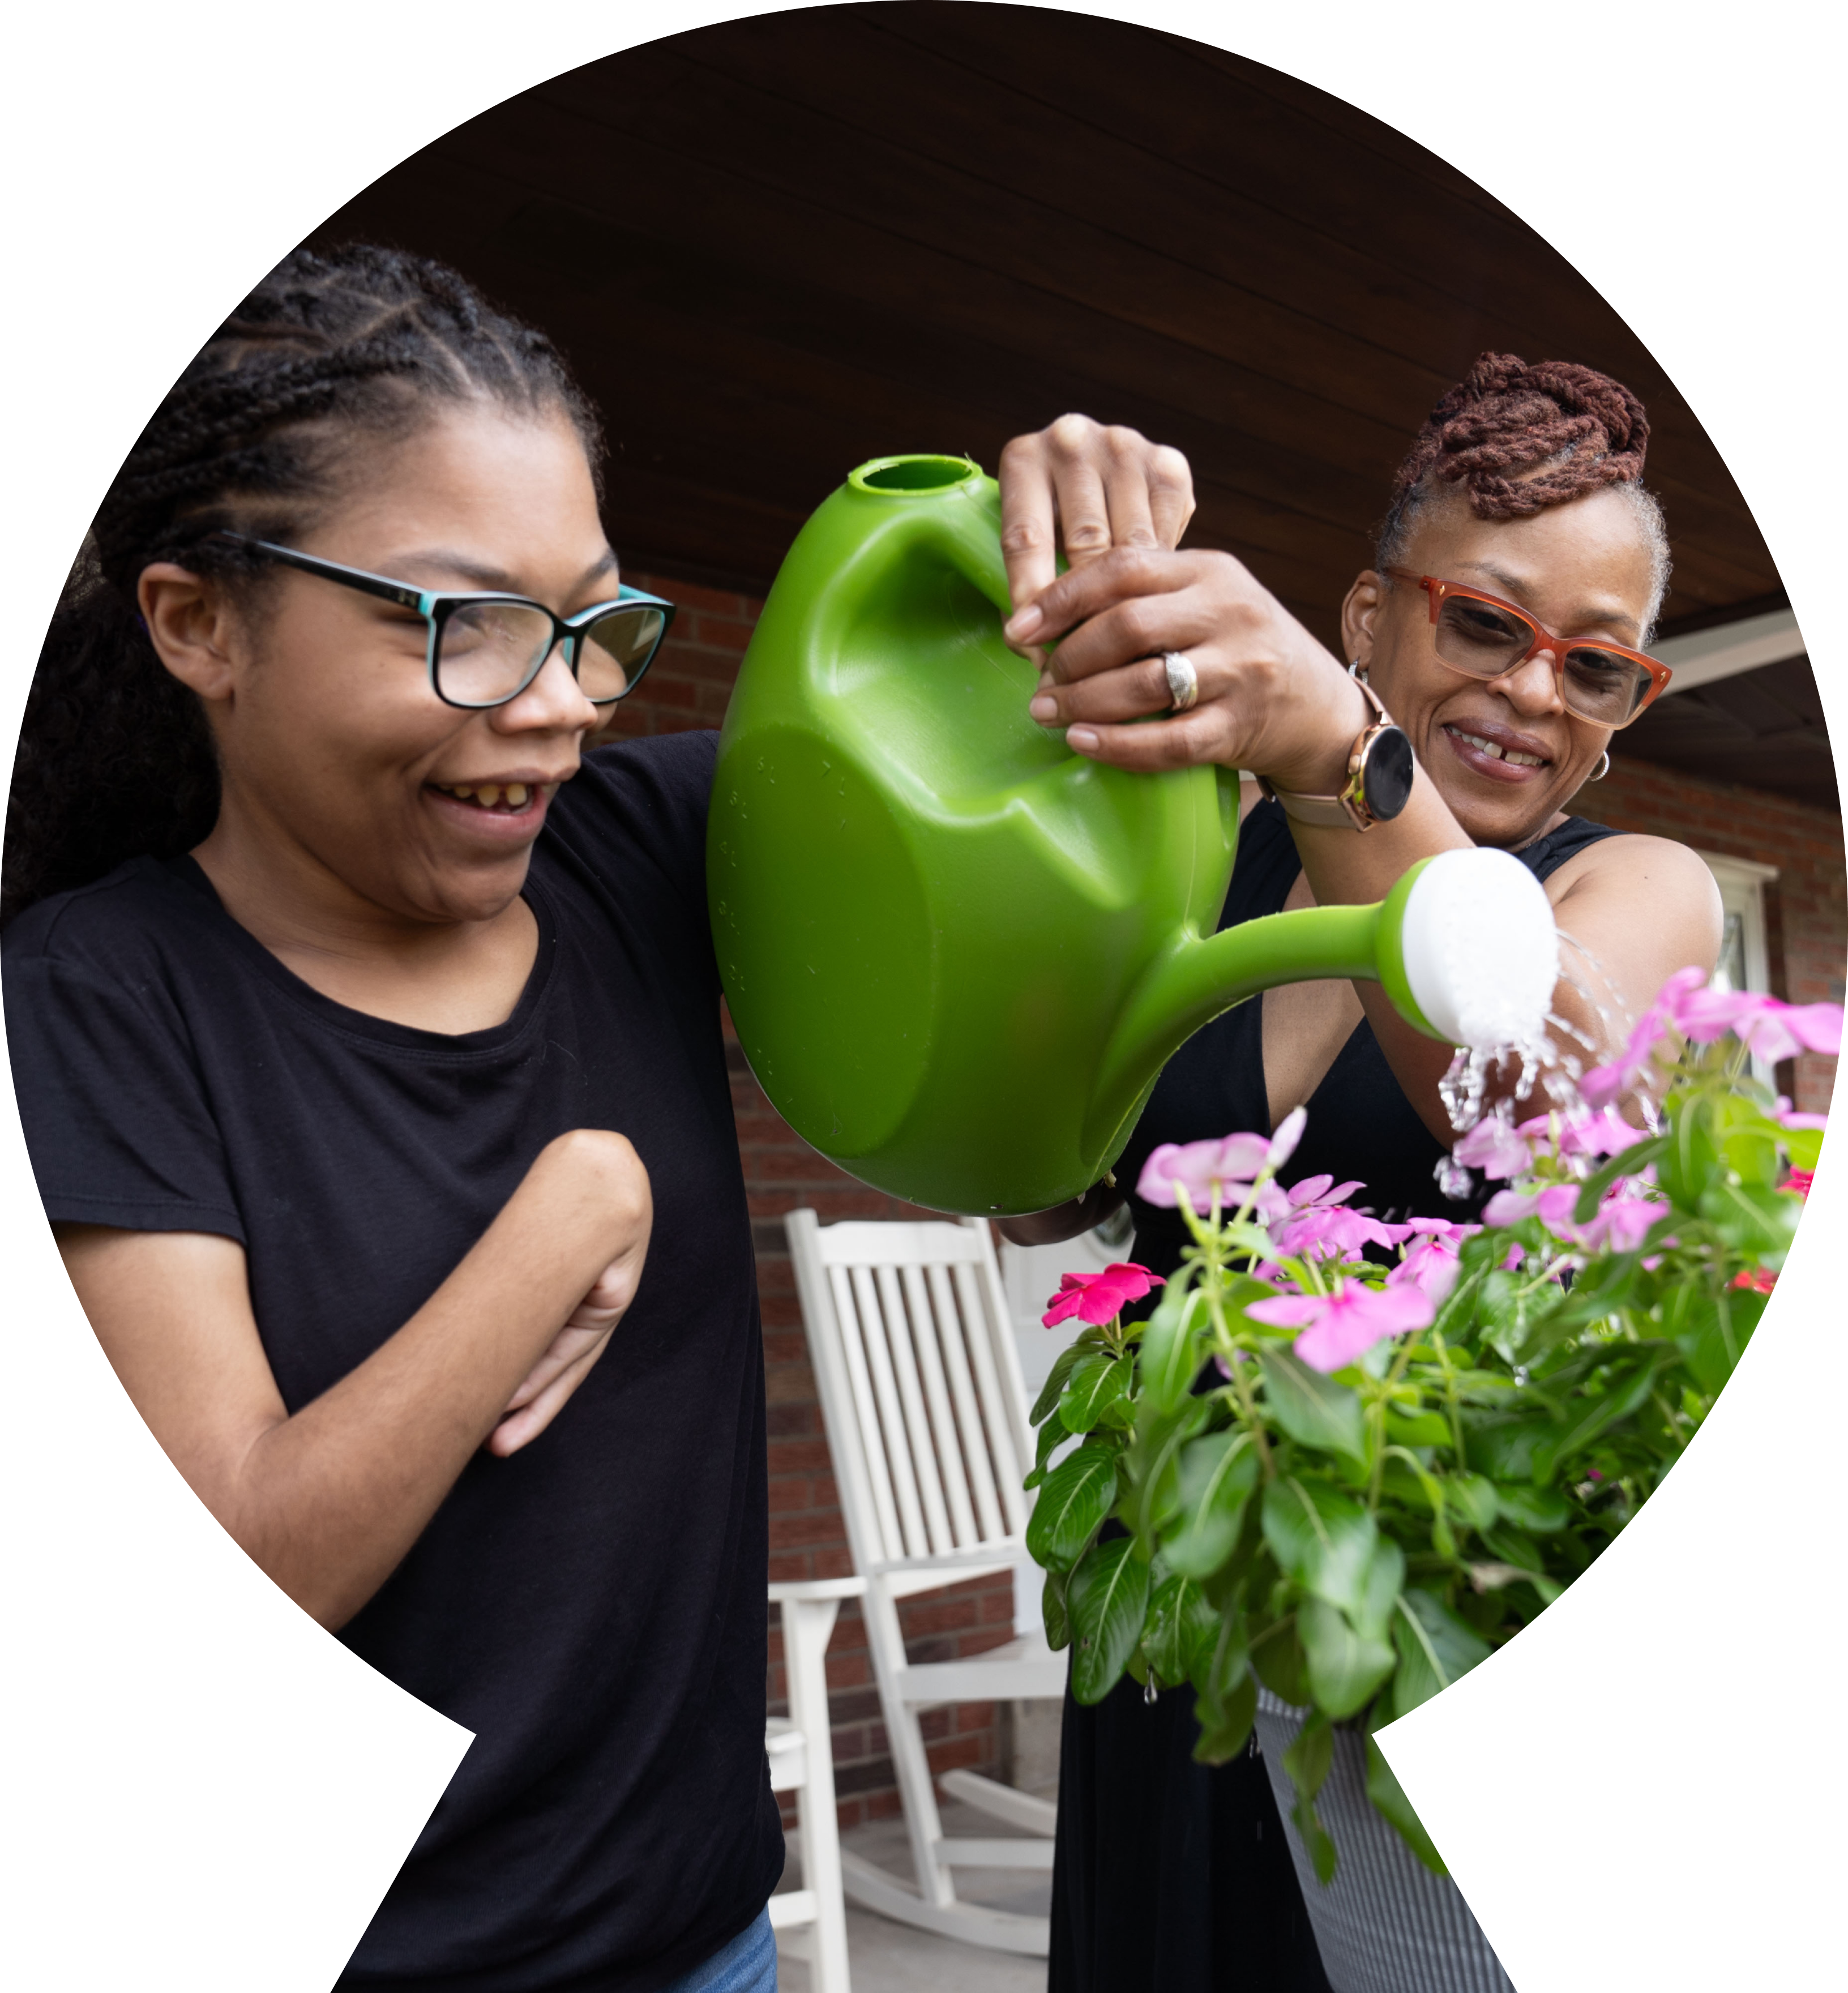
x: 1271, y: 698
x: 1084, y: 488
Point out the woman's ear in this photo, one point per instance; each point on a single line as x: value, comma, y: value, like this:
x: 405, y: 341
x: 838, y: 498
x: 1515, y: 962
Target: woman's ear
x: 189, y: 623
x: 1359, y: 609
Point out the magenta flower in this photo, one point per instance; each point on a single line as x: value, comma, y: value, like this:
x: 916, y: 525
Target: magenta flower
x: 1787, y: 1116
x: 1774, y: 1030
x: 1777, y: 1031
x: 1099, y: 1297
x: 1340, y: 1328
x: 1227, y: 1165
x: 1495, y: 1148
x: 1317, y: 1219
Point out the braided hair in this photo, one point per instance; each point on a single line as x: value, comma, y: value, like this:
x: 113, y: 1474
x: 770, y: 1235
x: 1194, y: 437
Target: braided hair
x: 1515, y: 439
x: 115, y: 758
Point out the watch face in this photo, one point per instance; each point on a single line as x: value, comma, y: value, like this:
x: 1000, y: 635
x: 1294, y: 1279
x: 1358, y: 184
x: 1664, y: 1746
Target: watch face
x: 1387, y: 774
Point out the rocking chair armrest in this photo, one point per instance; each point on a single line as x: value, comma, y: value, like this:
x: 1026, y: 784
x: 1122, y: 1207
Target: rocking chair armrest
x: 803, y: 1590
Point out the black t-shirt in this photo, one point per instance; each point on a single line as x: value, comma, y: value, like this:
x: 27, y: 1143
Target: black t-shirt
x: 593, y: 1608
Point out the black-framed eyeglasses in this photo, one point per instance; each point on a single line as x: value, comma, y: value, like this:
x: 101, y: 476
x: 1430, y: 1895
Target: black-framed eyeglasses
x: 485, y: 648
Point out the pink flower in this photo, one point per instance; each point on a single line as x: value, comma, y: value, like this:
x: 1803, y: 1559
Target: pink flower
x: 1760, y: 1280
x: 1799, y: 1181
x: 1621, y: 1223
x: 1603, y: 1083
x: 1100, y: 1297
x: 1283, y: 1143
x: 1552, y: 1205
x: 1604, y: 1133
x: 1318, y: 1221
x: 1777, y: 1031
x: 1431, y: 1266
x: 1227, y: 1166
x: 1495, y: 1148
x: 1341, y: 1327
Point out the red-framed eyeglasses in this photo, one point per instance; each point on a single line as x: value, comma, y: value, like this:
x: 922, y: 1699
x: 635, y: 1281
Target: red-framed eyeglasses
x: 1483, y: 636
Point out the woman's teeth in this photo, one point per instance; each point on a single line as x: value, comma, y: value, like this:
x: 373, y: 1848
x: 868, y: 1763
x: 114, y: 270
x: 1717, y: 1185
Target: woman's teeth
x: 1500, y: 753
x: 489, y: 795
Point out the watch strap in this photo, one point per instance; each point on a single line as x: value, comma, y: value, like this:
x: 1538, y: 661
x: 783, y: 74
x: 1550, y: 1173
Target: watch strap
x: 1347, y: 810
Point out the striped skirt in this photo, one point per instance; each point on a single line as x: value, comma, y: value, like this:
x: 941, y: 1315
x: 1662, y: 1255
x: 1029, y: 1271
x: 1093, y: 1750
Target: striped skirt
x: 1385, y: 1924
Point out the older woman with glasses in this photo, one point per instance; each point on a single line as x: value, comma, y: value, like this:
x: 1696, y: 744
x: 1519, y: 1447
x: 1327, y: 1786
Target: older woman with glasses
x: 1501, y: 629
x: 366, y: 1034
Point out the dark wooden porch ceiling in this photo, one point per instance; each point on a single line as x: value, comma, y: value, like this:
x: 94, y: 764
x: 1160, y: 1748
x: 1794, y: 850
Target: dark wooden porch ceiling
x: 775, y: 248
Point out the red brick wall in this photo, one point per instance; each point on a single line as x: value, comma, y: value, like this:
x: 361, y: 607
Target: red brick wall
x: 1805, y: 907
x: 687, y: 686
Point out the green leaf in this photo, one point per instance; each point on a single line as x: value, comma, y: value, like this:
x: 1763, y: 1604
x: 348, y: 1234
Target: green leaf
x: 1543, y: 1510
x: 1171, y: 1349
x: 1506, y: 1447
x: 1074, y: 1501
x: 1225, y: 1722
x: 1417, y: 1428
x: 1217, y: 1478
x: 1052, y: 1435
x: 1470, y: 1498
x: 1435, y: 1649
x: 1107, y: 1598
x: 1751, y: 1219
x: 1313, y: 1410
x: 1718, y: 1327
x: 1345, y: 1667
x: 1098, y: 1384
x: 1322, y: 1538
x: 1307, y: 1761
x: 1180, y: 1631
x: 1389, y: 1797
x: 1278, y: 1660
x: 1385, y: 1580
x: 1063, y: 1366
x: 1804, y: 1146
x: 1627, y: 1387
x: 1151, y: 1463
x: 1052, y: 1610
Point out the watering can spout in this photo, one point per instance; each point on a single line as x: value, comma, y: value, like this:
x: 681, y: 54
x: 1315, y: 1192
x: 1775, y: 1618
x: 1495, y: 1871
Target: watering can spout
x: 1425, y: 944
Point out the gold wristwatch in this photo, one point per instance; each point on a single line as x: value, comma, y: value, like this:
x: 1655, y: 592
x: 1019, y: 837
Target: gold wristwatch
x: 1381, y: 770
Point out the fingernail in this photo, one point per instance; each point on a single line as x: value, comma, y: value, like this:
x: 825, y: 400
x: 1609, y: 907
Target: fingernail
x: 1024, y: 622
x: 1081, y: 738
x: 1043, y: 709
x: 1046, y: 683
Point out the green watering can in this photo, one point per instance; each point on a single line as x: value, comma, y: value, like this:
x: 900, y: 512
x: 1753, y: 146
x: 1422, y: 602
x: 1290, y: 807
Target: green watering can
x: 956, y: 954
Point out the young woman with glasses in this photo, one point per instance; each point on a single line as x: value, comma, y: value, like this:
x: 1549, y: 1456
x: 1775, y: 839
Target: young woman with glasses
x: 366, y: 1033
x: 1502, y: 627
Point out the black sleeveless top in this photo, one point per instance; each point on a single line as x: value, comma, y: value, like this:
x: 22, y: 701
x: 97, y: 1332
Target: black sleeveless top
x: 1171, y: 1877
x: 1360, y: 1124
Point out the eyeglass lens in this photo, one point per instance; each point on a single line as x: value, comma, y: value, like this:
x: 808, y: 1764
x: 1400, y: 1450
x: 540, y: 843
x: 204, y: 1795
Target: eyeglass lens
x: 489, y: 650
x: 1598, y: 685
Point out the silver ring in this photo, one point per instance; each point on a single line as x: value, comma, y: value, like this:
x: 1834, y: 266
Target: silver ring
x: 1184, y: 680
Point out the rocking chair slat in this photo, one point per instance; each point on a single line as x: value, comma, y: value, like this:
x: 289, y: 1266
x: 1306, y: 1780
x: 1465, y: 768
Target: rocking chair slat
x: 888, y: 1439
x: 928, y: 1331
x: 1009, y: 1471
x: 901, y: 1338
x: 870, y: 1455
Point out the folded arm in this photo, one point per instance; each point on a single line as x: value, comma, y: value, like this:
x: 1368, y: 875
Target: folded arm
x: 328, y: 1500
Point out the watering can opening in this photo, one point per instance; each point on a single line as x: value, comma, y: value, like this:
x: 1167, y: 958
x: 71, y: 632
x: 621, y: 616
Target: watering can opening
x: 914, y: 476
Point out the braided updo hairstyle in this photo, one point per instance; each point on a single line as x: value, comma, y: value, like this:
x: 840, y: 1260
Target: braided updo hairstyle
x: 333, y: 348
x: 1514, y: 439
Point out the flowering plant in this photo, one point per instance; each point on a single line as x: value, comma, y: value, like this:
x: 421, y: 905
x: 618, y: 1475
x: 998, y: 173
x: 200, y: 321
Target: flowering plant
x: 1347, y: 1459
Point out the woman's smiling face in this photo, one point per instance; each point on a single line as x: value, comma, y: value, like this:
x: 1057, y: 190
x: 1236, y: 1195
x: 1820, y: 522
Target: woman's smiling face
x: 337, y: 753
x: 1506, y: 754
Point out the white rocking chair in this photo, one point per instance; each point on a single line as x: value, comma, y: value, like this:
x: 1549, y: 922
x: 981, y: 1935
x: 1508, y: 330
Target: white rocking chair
x: 801, y: 1760
x: 920, y: 1390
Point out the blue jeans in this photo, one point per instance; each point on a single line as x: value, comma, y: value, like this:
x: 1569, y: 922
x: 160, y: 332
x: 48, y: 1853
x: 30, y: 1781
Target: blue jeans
x: 748, y: 1964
